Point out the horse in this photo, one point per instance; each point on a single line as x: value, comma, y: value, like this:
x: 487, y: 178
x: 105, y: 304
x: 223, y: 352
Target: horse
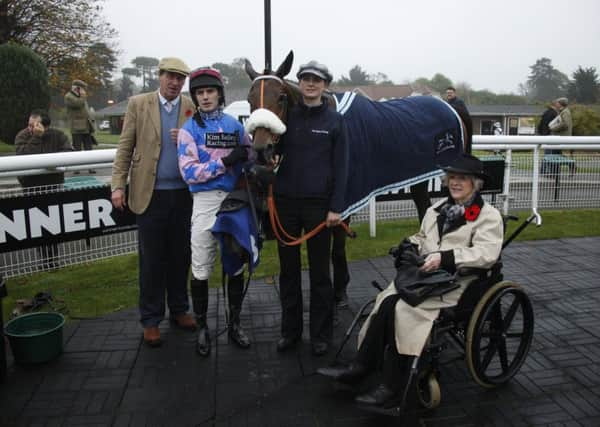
x: 437, y: 135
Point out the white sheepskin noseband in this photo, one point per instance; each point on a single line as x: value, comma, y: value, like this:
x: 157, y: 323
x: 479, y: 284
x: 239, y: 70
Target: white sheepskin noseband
x: 263, y: 118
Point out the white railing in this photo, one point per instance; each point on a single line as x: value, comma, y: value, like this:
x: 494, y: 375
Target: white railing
x: 526, y: 187
x: 524, y: 176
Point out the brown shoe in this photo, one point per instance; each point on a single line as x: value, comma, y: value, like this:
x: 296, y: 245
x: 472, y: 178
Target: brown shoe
x: 185, y: 321
x: 152, y: 336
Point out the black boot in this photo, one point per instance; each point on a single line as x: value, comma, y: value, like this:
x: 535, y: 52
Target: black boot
x: 235, y: 289
x: 200, y: 304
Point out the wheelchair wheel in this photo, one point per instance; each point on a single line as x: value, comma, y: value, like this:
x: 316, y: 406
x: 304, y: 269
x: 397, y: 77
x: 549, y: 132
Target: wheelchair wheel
x: 499, y: 334
x: 428, y: 390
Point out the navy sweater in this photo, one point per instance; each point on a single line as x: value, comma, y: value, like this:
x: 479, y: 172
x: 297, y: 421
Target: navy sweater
x: 315, y: 156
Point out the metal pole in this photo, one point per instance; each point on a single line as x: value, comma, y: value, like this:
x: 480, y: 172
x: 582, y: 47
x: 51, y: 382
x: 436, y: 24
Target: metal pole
x: 267, y: 35
x: 3, y: 367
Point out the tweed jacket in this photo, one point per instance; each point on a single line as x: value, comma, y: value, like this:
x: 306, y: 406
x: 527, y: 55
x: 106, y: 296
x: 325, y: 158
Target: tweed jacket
x: 79, y: 113
x: 475, y: 244
x: 566, y: 126
x: 139, y: 148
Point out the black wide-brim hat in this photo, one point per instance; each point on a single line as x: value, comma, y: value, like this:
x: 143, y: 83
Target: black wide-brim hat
x: 466, y: 164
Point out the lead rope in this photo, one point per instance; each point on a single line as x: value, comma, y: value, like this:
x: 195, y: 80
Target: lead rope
x: 291, y: 240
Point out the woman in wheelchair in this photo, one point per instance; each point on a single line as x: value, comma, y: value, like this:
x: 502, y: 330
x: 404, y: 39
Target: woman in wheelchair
x: 456, y: 234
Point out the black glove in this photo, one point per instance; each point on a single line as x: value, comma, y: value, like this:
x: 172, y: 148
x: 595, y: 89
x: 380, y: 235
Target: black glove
x: 238, y: 154
x: 264, y: 175
x: 397, y: 251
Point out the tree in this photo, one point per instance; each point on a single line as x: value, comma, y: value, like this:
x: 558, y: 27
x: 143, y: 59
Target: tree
x: 545, y: 82
x: 125, y: 88
x: 440, y: 82
x: 95, y: 68
x: 356, y: 77
x: 586, y: 122
x: 584, y: 87
x: 24, y: 87
x: 234, y: 74
x: 61, y: 32
x: 381, y: 79
x: 148, y: 71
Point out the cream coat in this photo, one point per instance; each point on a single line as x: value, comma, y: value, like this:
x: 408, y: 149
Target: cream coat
x: 476, y: 244
x: 139, y: 148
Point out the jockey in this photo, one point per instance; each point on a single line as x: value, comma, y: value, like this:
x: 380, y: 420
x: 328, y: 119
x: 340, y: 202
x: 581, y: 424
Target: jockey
x: 212, y: 148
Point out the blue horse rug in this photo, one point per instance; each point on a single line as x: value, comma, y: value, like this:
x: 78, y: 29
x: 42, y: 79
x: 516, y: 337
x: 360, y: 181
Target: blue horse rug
x: 238, y: 239
x: 396, y: 143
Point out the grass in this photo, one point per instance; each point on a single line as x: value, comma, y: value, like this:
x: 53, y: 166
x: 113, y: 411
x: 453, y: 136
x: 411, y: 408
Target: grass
x: 110, y: 285
x: 6, y: 149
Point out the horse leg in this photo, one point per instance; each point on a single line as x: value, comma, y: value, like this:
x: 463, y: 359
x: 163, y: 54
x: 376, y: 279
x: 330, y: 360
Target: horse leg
x: 420, y: 196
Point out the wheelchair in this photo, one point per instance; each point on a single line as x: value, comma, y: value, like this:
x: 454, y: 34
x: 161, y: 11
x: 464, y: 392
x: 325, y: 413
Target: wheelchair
x: 491, y: 328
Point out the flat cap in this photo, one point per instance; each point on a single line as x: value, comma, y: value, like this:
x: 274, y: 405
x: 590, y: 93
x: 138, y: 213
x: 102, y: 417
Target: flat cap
x: 316, y: 69
x: 79, y: 83
x: 563, y: 101
x: 174, y: 65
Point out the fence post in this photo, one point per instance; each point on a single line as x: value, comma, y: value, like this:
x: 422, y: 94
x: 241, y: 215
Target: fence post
x: 372, y: 216
x: 3, y: 368
x: 507, y: 170
x: 535, y: 185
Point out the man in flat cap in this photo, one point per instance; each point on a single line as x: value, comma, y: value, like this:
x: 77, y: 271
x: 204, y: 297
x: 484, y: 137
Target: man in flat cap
x: 157, y: 194
x: 82, y: 123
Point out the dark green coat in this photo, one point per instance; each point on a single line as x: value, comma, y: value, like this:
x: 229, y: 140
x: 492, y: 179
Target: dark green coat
x: 79, y: 113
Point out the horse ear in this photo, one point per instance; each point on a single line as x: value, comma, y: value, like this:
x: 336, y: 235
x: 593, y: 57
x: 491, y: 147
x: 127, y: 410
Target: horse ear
x: 250, y: 70
x: 285, y: 66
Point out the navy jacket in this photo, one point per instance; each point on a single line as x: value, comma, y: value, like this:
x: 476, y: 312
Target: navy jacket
x: 315, y: 156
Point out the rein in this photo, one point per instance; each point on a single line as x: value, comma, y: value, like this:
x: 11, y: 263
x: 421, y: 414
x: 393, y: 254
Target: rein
x: 291, y: 240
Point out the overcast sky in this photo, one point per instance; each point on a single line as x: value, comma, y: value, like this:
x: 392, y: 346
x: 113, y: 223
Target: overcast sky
x: 488, y: 44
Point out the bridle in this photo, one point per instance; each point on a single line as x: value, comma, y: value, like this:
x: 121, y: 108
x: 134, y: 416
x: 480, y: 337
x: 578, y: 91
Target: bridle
x: 283, y: 98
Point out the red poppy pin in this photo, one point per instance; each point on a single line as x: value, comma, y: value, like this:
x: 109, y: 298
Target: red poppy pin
x: 472, y: 212
x: 189, y: 113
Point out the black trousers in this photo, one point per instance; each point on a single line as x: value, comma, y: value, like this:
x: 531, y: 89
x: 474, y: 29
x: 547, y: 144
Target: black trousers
x: 164, y: 254
x: 378, y: 349
x: 341, y: 276
x: 297, y: 215
x: 82, y: 139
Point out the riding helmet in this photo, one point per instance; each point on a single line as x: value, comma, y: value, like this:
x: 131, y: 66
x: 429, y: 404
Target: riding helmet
x: 207, y: 77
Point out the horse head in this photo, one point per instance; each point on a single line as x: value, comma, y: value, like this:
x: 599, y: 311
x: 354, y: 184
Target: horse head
x: 269, y: 97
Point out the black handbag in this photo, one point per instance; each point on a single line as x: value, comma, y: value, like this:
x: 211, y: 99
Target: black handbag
x: 415, y: 286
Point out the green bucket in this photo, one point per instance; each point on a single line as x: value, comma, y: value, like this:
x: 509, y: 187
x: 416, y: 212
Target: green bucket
x: 35, y: 337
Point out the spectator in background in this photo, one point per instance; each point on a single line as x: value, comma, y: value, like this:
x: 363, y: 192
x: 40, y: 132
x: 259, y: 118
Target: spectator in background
x: 543, y: 129
x: 460, y: 107
x: 147, y: 154
x: 547, y: 117
x: 497, y: 128
x: 565, y: 126
x: 560, y: 125
x: 82, y: 123
x: 38, y: 138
